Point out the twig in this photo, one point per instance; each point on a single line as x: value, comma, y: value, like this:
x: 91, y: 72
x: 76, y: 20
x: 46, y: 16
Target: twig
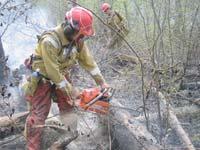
x: 194, y: 101
x: 4, y: 4
x: 14, y: 123
x: 17, y: 15
x: 114, y: 69
x: 52, y: 126
x: 14, y: 6
x: 10, y: 140
x: 170, y: 67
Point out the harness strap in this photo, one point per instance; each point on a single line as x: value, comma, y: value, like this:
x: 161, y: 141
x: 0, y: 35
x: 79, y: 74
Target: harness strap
x: 56, y: 38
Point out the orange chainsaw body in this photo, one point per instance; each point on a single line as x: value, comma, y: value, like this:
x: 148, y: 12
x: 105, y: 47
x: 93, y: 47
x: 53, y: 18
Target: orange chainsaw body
x: 100, y: 106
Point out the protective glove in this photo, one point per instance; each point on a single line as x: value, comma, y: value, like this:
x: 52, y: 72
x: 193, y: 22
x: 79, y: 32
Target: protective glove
x: 75, y: 93
x: 72, y: 92
x: 65, y: 87
x: 104, y: 86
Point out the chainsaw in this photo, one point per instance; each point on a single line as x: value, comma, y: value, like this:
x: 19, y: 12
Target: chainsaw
x: 96, y: 99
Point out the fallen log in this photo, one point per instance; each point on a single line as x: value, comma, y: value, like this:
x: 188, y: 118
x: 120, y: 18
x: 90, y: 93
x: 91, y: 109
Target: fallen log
x: 187, y: 110
x: 187, y: 96
x: 179, y: 112
x: 57, y: 138
x: 130, y: 134
x: 174, y: 123
x: 17, y: 118
x: 93, y: 132
x: 190, y: 86
x: 127, y: 131
x: 196, y: 101
x: 52, y: 138
x: 128, y: 58
x: 12, y: 125
x: 53, y: 135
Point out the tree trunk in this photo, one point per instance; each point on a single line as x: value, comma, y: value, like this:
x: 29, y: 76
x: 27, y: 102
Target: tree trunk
x: 178, y: 18
x: 54, y: 136
x: 128, y: 133
x: 74, y: 4
x: 2, y: 63
x: 2, y: 55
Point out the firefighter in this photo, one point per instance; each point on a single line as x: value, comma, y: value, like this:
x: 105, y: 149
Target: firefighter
x: 117, y: 22
x: 58, y: 50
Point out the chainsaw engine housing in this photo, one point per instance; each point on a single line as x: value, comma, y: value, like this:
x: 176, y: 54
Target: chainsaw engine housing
x: 95, y: 100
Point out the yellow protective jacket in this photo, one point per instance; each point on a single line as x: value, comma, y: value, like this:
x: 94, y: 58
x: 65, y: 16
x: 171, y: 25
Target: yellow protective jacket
x: 53, y: 60
x: 116, y: 21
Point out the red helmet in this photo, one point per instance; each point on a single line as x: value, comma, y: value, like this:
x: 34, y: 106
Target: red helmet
x: 105, y: 7
x: 83, y: 19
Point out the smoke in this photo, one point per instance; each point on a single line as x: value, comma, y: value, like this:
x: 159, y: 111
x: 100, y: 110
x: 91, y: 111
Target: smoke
x: 20, y: 39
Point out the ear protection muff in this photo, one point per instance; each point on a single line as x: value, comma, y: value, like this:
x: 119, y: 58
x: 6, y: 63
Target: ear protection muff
x: 70, y: 30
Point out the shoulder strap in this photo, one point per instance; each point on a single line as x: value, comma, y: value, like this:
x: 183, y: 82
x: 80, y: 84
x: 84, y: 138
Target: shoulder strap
x: 80, y: 46
x: 59, y: 40
x: 56, y: 38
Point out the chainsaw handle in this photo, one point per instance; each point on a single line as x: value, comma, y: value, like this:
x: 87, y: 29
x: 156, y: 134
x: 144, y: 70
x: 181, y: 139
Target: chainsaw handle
x: 96, y: 98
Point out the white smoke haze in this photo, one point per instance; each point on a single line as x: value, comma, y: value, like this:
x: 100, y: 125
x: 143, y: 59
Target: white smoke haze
x: 20, y: 40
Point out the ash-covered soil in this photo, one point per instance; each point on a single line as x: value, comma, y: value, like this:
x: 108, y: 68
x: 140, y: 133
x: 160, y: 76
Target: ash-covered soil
x: 125, y: 78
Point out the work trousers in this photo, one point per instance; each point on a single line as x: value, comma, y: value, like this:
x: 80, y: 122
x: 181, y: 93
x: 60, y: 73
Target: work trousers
x: 40, y: 106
